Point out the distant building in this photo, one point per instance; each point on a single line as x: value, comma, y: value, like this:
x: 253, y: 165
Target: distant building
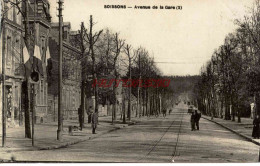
x: 71, y: 73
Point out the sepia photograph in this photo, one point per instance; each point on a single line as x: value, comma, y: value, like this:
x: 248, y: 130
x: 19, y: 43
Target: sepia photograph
x: 130, y: 81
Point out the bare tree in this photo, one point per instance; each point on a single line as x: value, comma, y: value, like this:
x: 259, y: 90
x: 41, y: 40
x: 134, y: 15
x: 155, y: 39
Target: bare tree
x: 118, y: 45
x: 128, y: 51
x: 91, y: 39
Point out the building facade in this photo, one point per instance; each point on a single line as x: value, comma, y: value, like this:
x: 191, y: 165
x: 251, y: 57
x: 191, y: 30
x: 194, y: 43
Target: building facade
x: 71, y: 73
x: 11, y: 49
x: 39, y: 25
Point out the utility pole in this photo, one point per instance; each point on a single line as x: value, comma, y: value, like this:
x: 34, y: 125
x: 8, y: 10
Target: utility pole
x: 83, y: 75
x: 28, y: 98
x: 60, y: 113
x: 33, y: 85
x: 3, y: 80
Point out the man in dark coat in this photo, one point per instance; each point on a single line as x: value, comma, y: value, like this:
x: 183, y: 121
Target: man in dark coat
x: 94, y: 121
x: 197, y: 119
x: 170, y: 110
x: 192, y: 121
x: 80, y: 114
x: 164, y: 112
x: 256, y: 128
x: 90, y: 111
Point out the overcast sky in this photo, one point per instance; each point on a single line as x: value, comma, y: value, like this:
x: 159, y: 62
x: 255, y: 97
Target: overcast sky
x: 184, y: 38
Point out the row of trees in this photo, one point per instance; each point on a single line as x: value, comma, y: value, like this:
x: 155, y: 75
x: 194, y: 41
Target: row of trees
x: 105, y: 55
x: 230, y: 80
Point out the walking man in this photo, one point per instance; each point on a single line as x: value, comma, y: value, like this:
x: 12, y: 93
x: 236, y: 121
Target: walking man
x: 170, y: 110
x: 164, y: 113
x: 197, y: 119
x: 90, y: 111
x: 94, y: 121
x: 80, y: 114
x: 192, y: 121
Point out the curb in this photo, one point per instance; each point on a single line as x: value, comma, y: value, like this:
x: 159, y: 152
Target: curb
x: 237, y: 133
x: 81, y: 140
x: 75, y: 142
x: 59, y: 146
x: 64, y: 145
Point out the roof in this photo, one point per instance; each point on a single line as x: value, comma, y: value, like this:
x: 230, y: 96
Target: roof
x: 74, y: 32
x: 56, y: 24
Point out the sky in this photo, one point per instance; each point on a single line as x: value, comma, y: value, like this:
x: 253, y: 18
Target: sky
x: 181, y: 41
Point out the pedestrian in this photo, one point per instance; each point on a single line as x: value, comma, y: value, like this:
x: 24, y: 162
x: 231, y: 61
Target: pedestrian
x: 156, y: 114
x: 192, y: 121
x: 256, y: 128
x: 164, y: 113
x: 170, y: 110
x: 94, y: 120
x: 80, y: 117
x: 89, y: 114
x: 197, y: 119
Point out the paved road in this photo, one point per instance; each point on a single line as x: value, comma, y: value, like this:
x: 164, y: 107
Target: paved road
x: 156, y: 140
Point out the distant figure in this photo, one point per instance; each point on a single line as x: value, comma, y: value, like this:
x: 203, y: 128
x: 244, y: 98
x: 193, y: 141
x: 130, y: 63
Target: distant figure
x: 164, y: 112
x: 256, y: 128
x: 90, y: 111
x: 94, y: 121
x: 156, y: 114
x: 192, y: 121
x: 80, y: 114
x: 170, y: 111
x: 197, y: 119
x: 252, y: 106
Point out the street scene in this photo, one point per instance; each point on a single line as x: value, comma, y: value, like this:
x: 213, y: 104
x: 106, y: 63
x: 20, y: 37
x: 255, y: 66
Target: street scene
x: 168, y: 139
x: 129, y: 82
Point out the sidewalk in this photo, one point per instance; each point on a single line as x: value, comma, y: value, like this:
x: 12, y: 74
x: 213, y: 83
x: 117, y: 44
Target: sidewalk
x: 45, y: 135
x: 243, y: 129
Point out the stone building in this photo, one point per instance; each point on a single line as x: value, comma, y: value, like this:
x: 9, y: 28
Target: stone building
x: 71, y: 73
x: 13, y: 63
x: 40, y: 24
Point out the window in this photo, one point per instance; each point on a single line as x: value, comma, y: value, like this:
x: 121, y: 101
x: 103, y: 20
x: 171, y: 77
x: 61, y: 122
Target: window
x: 10, y: 14
x: 19, y: 16
x: 15, y: 14
x: 65, y: 33
x: 17, y: 51
x: 8, y: 52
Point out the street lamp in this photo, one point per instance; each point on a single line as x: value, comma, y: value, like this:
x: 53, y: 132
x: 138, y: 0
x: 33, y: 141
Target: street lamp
x: 60, y: 113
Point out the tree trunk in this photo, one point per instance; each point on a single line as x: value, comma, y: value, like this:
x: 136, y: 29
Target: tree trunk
x: 129, y: 93
x: 28, y: 89
x: 221, y: 109
x: 151, y: 106
x: 233, y: 107
x: 82, y: 102
x: 129, y: 104
x: 143, y: 101
x: 257, y: 99
x: 123, y: 110
x: 238, y: 115
x: 146, y: 102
